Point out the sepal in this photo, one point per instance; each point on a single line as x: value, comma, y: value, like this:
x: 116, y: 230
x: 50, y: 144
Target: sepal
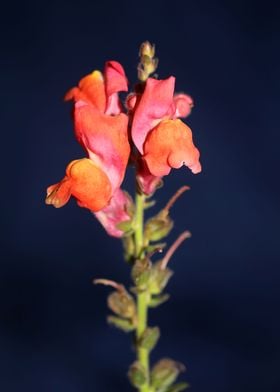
x: 158, y: 227
x: 149, y: 338
x: 159, y: 279
x: 141, y: 273
x: 165, y: 373
x: 122, y: 304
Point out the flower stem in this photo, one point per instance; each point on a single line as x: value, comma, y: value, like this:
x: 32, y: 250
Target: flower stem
x: 142, y: 298
x: 139, y: 220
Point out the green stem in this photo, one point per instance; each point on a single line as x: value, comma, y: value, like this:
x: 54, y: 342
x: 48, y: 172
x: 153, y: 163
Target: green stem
x: 139, y: 220
x: 142, y: 298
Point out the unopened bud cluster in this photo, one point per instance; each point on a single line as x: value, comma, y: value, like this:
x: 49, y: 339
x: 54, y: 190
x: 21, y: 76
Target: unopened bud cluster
x: 148, y: 63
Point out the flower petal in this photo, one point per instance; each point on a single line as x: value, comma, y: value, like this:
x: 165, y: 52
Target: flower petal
x: 155, y: 105
x: 115, y: 81
x: 170, y: 145
x: 147, y: 182
x: 105, y: 138
x: 116, y: 212
x: 183, y: 104
x: 91, y: 89
x: 86, y: 182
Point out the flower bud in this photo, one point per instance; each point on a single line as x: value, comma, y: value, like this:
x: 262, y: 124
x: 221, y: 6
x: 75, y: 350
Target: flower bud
x: 137, y: 375
x: 147, y: 49
x: 164, y: 373
x: 149, y: 338
x: 148, y: 63
x: 121, y: 303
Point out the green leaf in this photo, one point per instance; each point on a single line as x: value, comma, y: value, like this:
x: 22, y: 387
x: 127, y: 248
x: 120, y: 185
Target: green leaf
x: 120, y: 323
x: 149, y: 338
x: 153, y: 247
x: 181, y: 386
x: 156, y: 301
x: 126, y: 227
x: 149, y: 204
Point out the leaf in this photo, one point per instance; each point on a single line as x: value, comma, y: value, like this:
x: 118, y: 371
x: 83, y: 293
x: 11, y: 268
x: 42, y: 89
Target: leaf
x: 123, y: 324
x: 156, y: 301
x: 181, y: 386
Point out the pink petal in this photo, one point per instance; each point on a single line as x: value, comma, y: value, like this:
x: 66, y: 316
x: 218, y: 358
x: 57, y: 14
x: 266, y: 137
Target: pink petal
x: 147, y: 182
x: 155, y: 104
x: 115, y: 81
x: 183, y: 104
x: 116, y: 212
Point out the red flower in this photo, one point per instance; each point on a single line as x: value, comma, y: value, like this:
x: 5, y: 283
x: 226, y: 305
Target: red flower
x: 163, y: 141
x: 101, y: 128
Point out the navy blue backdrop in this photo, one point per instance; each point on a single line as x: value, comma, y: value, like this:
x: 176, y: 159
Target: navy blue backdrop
x: 222, y: 320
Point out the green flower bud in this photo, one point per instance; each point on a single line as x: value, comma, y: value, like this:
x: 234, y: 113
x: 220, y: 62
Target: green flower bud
x: 122, y: 304
x: 164, y: 373
x: 147, y: 49
x: 149, y: 338
x: 124, y: 324
x: 137, y: 375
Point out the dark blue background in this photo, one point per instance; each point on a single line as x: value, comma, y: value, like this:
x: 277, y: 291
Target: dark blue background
x: 222, y: 320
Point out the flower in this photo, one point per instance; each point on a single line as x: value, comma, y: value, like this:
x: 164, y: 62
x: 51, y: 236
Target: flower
x: 101, y: 128
x: 162, y: 140
x: 99, y: 123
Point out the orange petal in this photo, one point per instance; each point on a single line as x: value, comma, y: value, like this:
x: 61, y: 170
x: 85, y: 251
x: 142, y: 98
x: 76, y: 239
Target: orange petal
x: 86, y: 182
x: 91, y: 89
x: 105, y: 138
x: 59, y: 194
x: 169, y: 145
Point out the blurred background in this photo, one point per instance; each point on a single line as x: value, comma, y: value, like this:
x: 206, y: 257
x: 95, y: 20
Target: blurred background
x: 222, y: 320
